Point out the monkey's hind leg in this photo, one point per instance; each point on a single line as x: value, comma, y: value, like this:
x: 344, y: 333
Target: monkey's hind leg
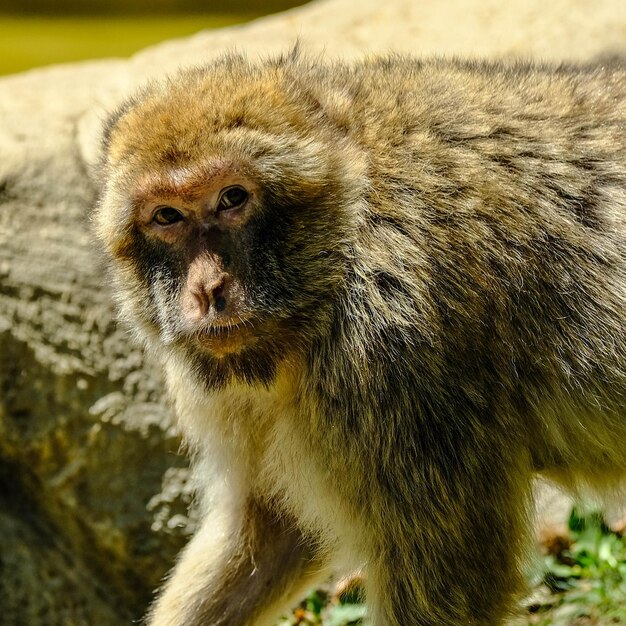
x: 241, y: 571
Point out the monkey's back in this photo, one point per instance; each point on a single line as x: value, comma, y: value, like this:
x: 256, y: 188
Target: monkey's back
x: 492, y: 251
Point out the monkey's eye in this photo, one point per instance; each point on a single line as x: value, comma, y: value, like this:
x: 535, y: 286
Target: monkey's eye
x: 232, y: 198
x: 166, y: 215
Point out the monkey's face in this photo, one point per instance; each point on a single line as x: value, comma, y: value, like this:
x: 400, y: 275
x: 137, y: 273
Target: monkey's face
x: 228, y: 240
x: 197, y: 250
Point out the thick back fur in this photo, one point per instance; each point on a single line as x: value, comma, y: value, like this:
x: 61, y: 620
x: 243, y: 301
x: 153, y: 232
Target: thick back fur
x: 438, y: 271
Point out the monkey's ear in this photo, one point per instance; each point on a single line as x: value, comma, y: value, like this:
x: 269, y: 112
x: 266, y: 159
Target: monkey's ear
x: 110, y: 120
x: 94, y: 128
x: 94, y: 132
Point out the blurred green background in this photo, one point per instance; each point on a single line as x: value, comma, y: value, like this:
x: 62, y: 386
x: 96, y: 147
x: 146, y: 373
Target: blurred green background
x: 43, y: 32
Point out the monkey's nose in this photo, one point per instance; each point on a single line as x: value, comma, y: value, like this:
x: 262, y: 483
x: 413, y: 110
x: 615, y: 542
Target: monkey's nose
x: 208, y: 295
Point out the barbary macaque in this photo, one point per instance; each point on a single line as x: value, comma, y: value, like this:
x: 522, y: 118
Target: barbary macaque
x: 385, y: 295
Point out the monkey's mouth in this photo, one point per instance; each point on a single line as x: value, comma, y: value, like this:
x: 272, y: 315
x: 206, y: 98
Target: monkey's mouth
x: 222, y: 339
x: 223, y: 330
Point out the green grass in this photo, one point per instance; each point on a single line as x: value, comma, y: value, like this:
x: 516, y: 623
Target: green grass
x: 27, y: 42
x: 323, y: 608
x: 585, y: 584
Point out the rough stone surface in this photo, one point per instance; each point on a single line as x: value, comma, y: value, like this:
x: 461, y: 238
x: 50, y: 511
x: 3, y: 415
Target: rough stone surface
x: 93, y: 494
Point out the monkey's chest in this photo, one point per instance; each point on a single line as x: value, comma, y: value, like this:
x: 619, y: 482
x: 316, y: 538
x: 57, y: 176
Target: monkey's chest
x: 310, y: 490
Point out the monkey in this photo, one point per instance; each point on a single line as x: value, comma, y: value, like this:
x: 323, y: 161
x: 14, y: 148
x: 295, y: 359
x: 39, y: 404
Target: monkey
x: 386, y: 294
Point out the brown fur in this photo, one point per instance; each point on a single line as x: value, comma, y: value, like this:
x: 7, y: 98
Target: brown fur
x: 426, y: 293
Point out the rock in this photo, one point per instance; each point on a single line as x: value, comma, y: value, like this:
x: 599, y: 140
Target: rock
x: 94, y: 495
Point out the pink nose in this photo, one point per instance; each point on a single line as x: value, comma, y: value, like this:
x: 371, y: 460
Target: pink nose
x: 209, y: 295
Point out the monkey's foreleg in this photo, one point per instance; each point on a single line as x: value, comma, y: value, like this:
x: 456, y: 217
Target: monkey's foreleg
x: 240, y: 570
x: 457, y: 560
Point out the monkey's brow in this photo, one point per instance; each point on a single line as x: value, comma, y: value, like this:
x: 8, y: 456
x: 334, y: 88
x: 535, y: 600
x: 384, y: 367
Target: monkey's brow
x: 163, y: 191
x: 186, y: 184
